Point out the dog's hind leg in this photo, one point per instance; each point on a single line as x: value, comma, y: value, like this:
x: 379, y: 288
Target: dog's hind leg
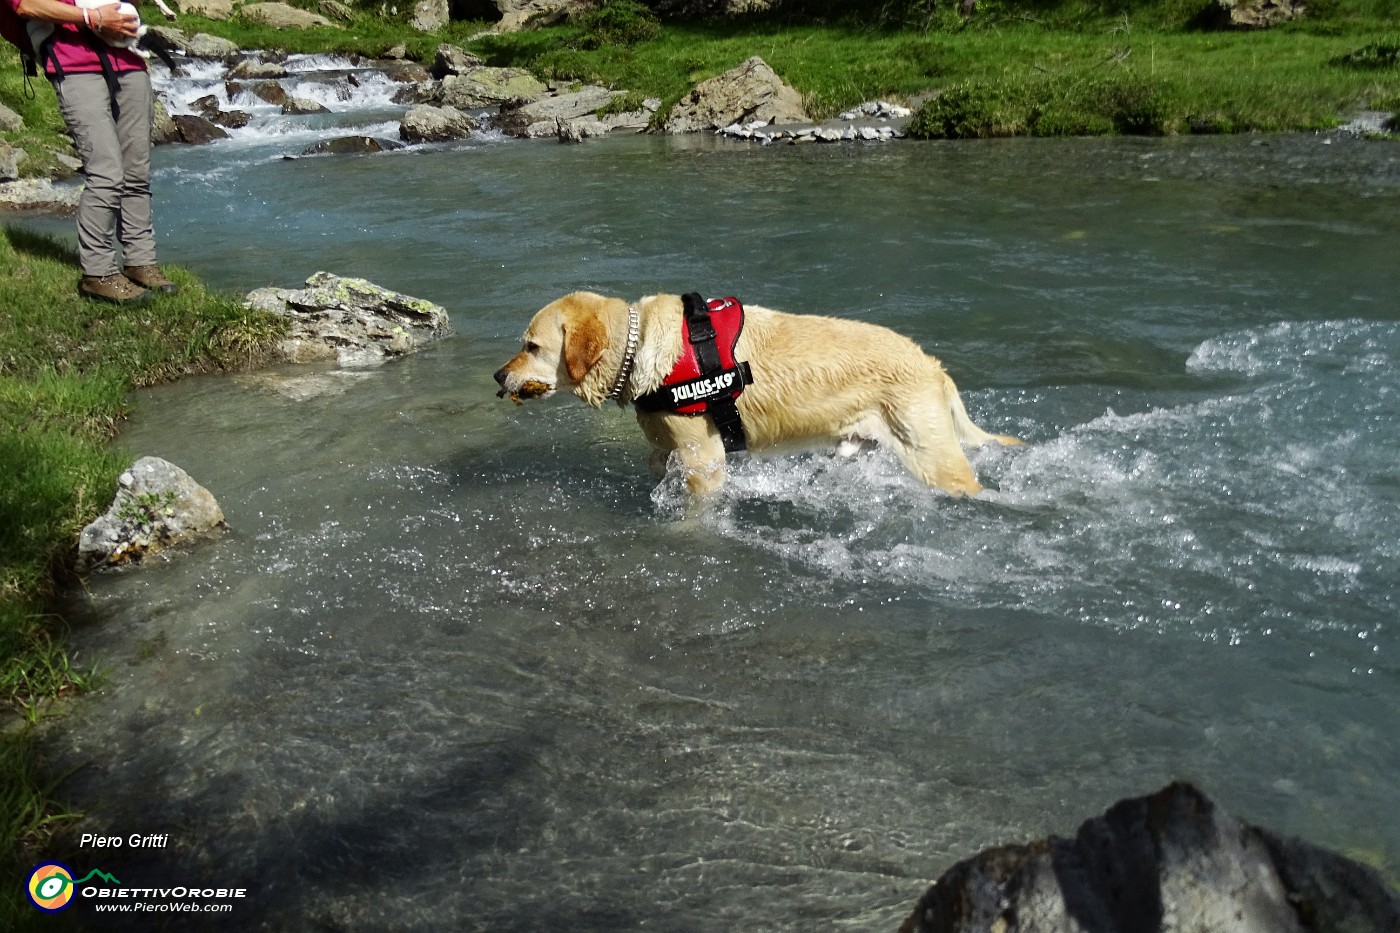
x: 925, y: 437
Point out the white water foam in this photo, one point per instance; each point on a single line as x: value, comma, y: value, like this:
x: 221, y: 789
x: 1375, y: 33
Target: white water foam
x: 1123, y: 512
x: 365, y: 107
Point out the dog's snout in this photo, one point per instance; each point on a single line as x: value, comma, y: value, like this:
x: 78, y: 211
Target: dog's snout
x: 501, y: 376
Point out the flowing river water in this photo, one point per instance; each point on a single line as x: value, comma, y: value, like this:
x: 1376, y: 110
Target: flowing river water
x: 464, y: 665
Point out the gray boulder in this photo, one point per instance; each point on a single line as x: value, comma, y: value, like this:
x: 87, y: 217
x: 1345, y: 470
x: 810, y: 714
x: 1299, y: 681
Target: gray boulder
x: 1259, y: 14
x: 425, y: 123
x: 209, y: 9
x: 157, y: 506
x: 300, y: 106
x: 429, y: 15
x: 541, y: 117
x: 39, y: 194
x: 10, y: 158
x: 1172, y: 862
x: 453, y: 60
x: 523, y: 14
x: 270, y: 92
x: 746, y: 93
x: 170, y: 38
x: 255, y: 68
x: 9, y: 120
x: 490, y: 87
x: 281, y: 16
x: 334, y: 9
x: 633, y: 119
x: 197, y: 130
x: 203, y: 45
x: 163, y: 128
x: 576, y: 131
x: 403, y: 72
x: 350, y: 321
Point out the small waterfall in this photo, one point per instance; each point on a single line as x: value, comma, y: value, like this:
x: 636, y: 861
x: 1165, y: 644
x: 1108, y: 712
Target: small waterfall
x: 358, y: 98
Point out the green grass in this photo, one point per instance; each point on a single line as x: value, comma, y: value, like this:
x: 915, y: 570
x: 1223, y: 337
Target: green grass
x: 67, y: 368
x: 1226, y: 82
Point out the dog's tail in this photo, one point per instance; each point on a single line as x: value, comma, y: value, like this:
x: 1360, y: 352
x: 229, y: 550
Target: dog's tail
x: 969, y: 433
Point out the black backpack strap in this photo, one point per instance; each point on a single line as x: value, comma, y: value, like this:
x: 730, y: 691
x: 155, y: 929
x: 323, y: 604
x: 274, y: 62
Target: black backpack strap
x: 109, y: 74
x: 724, y: 410
x: 48, y: 56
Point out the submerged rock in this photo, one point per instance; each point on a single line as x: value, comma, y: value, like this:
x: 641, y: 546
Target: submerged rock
x: 351, y: 145
x: 350, y: 321
x: 1172, y: 862
x: 158, y: 506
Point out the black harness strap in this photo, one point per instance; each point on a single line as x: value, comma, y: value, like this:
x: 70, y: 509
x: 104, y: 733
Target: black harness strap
x: 724, y: 410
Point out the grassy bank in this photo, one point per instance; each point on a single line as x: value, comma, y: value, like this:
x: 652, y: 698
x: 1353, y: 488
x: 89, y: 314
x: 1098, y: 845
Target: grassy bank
x: 67, y: 367
x: 1027, y: 68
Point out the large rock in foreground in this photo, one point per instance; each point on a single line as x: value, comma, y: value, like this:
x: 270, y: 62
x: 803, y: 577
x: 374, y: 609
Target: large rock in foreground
x: 1172, y: 862
x: 350, y: 321
x: 158, y: 506
x: 747, y: 93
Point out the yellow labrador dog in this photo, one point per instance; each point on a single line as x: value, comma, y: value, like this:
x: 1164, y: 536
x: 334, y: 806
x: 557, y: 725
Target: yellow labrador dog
x: 816, y: 381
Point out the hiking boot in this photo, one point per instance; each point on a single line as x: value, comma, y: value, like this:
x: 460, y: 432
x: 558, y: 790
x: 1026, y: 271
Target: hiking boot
x: 151, y: 277
x: 115, y: 288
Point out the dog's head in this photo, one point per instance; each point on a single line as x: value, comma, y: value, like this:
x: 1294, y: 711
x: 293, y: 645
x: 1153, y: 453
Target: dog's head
x: 563, y: 345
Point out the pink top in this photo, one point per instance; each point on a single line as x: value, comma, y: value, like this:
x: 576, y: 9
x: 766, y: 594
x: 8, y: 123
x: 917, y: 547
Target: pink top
x: 75, y: 48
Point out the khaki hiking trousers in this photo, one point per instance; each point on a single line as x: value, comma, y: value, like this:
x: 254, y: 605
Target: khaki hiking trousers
x: 115, y: 206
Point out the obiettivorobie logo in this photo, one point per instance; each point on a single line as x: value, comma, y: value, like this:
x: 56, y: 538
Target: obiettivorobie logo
x: 51, y: 885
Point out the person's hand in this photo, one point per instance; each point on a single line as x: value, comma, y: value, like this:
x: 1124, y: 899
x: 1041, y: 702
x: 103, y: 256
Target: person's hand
x: 111, y: 22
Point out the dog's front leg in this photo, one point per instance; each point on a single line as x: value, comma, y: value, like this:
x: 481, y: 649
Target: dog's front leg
x: 695, y: 440
x: 704, y: 466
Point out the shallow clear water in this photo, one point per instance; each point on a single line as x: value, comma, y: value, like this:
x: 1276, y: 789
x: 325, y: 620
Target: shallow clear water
x: 465, y: 665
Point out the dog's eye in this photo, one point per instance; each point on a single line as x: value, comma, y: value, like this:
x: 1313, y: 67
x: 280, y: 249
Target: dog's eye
x: 531, y: 346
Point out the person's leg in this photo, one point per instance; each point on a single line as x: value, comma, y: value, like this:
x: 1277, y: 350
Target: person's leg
x: 135, y: 228
x: 135, y: 224
x: 84, y: 103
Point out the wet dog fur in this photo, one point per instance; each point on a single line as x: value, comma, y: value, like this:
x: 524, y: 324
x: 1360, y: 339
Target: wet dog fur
x: 818, y: 381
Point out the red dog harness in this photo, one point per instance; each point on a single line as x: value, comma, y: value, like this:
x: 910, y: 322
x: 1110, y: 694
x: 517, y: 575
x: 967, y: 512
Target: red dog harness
x: 706, y: 378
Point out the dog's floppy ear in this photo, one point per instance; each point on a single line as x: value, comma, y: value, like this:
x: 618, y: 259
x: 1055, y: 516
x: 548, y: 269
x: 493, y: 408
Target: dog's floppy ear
x: 585, y: 342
